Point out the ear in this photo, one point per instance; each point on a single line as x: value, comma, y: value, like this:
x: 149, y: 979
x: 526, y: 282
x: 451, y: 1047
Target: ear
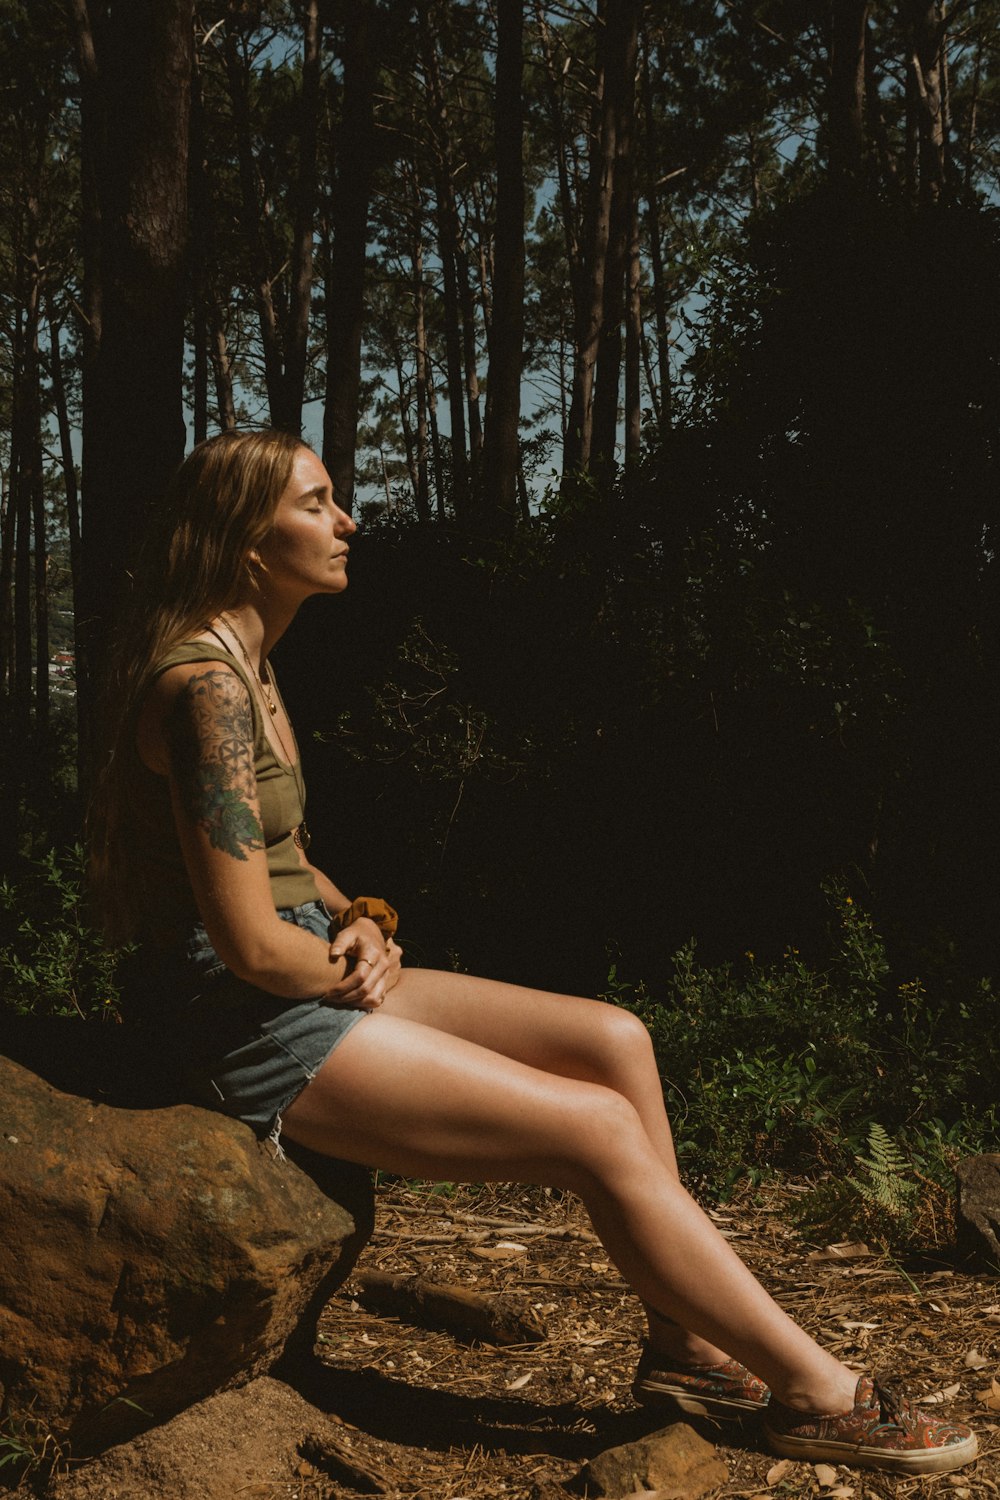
x: 255, y: 566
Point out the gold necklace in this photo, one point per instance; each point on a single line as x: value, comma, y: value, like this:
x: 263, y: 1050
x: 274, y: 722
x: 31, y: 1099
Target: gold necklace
x: 264, y: 688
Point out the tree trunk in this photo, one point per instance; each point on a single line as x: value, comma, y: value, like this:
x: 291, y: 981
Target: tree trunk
x: 572, y: 436
x: 845, y: 101
x: 460, y: 472
x: 663, y: 400
x: 503, y: 385
x: 448, y: 249
x: 911, y: 134
x: 405, y: 425
x: 208, y: 310
x: 133, y: 426
x: 297, y: 326
x: 8, y: 525
x: 92, y: 148
x: 22, y: 604
x: 970, y: 134
x: 250, y: 216
x: 925, y: 67
x: 36, y: 487
x: 222, y: 370
x: 61, y: 407
x: 468, y: 310
x: 594, y: 253
x: 876, y: 117
x: 753, y: 172
x: 633, y: 350
x: 485, y: 264
x: 346, y: 286
x: 201, y: 259
x: 31, y: 475
x: 20, y: 502
x: 422, y: 492
x: 620, y: 74
x: 438, y: 456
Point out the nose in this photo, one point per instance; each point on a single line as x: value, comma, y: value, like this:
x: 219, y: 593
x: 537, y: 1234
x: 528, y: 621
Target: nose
x: 344, y: 525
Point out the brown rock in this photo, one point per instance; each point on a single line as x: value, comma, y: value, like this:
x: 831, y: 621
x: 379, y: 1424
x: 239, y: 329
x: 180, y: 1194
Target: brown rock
x: 151, y: 1257
x: 979, y: 1206
x: 243, y: 1444
x: 675, y: 1463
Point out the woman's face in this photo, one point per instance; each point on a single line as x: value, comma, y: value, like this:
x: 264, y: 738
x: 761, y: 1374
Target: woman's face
x: 305, y: 552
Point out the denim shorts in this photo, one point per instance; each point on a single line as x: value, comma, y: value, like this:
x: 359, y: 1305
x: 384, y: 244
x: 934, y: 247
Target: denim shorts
x: 227, y: 1044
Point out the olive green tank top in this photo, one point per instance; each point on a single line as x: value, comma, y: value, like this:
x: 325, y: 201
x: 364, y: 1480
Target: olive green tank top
x: 156, y: 853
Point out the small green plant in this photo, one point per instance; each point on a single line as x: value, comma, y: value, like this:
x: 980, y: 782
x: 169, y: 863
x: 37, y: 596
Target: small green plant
x: 52, y: 960
x: 28, y: 1449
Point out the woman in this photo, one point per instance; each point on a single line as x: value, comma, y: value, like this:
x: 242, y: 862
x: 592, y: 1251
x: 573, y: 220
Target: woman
x: 307, y: 1026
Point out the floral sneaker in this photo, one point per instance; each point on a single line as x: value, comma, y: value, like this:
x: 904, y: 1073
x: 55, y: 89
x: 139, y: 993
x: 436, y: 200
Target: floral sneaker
x: 726, y: 1391
x: 883, y: 1431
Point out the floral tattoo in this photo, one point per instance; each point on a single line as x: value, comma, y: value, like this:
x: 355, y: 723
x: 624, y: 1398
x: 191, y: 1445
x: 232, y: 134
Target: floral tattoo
x: 210, y: 734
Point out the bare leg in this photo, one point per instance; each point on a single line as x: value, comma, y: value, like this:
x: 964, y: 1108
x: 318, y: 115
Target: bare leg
x: 574, y: 1038
x: 418, y: 1101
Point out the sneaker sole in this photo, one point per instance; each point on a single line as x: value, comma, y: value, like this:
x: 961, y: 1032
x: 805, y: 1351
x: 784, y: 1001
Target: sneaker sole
x: 916, y: 1461
x: 694, y: 1403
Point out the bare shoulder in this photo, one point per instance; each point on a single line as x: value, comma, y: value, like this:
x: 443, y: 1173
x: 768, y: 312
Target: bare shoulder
x: 190, y: 707
x: 207, y: 732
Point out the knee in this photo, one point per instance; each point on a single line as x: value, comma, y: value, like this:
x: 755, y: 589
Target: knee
x: 607, y: 1135
x: 625, y: 1041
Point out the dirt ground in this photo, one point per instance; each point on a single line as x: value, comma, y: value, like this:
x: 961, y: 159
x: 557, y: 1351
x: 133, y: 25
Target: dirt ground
x: 403, y: 1409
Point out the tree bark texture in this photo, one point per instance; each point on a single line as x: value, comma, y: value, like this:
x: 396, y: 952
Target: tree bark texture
x: 633, y: 347
x: 593, y: 257
x: 661, y: 395
x: 133, y: 435
x: 925, y: 67
x: 846, y: 99
x: 503, y: 386
x: 251, y: 214
x: 61, y: 407
x: 448, y: 250
x: 422, y: 366
x: 297, y: 327
x: 622, y: 41
x: 345, y: 289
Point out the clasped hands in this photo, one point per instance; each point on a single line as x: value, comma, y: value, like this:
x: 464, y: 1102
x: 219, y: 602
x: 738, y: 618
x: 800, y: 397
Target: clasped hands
x: 373, y: 965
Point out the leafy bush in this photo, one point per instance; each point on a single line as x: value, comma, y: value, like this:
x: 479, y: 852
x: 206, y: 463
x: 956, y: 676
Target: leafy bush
x: 52, y: 961
x: 786, y: 1066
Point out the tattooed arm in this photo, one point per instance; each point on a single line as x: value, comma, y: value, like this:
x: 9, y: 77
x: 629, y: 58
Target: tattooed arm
x: 198, y: 731
x: 210, y: 746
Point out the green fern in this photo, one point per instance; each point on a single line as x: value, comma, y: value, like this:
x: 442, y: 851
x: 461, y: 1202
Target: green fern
x: 877, y: 1204
x: 886, y: 1182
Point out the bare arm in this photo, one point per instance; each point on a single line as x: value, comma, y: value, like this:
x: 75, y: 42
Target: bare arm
x: 205, y: 731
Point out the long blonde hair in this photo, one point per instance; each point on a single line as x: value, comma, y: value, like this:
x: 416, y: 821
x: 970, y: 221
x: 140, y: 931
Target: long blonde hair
x: 198, y: 559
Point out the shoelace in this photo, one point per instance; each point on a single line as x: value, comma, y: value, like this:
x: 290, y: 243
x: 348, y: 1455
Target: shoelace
x: 892, y: 1404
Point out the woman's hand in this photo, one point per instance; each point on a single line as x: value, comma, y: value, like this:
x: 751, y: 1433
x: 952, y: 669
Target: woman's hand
x: 373, y: 969
x: 394, y: 954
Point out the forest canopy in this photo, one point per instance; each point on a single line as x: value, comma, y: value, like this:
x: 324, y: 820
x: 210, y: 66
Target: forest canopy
x: 656, y: 347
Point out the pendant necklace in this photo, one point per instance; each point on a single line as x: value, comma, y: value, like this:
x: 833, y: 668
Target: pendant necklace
x: 301, y: 833
x: 263, y: 687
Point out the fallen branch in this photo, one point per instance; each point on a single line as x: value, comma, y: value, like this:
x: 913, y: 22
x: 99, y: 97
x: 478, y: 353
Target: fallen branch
x: 509, y: 1226
x: 500, y: 1318
x: 335, y: 1458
